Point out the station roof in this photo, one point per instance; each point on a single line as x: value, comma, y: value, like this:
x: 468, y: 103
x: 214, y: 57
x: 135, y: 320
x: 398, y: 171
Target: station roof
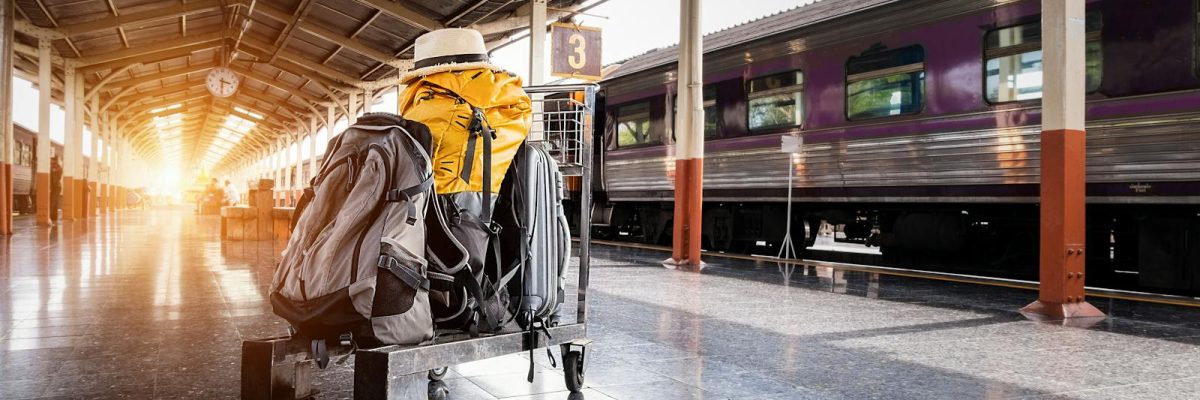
x: 294, y: 58
x: 783, y: 21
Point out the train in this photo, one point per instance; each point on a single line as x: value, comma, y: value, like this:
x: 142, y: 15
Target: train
x: 918, y: 123
x: 23, y: 170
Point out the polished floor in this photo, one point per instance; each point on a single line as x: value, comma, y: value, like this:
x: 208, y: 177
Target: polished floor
x: 150, y: 304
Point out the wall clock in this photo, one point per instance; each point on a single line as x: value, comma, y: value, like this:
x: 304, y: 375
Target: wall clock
x: 222, y: 82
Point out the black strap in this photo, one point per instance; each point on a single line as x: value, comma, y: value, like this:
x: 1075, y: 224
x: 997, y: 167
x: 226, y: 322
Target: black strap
x: 302, y: 204
x: 486, y: 130
x: 407, y: 194
x: 476, y: 292
x: 469, y: 155
x: 406, y: 275
x: 451, y: 59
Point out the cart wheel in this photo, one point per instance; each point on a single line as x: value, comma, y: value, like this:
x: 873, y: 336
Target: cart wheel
x: 437, y: 374
x: 438, y: 390
x: 573, y: 370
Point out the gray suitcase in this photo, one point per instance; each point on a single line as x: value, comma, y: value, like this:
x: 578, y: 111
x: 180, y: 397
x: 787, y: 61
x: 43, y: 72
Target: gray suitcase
x: 535, y: 240
x: 548, y: 235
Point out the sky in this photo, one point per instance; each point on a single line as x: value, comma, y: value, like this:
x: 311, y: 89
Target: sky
x: 632, y: 27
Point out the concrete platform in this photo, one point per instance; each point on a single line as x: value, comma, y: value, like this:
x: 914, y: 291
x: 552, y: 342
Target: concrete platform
x: 151, y: 304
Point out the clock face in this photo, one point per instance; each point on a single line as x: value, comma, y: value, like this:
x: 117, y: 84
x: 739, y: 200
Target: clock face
x: 222, y: 82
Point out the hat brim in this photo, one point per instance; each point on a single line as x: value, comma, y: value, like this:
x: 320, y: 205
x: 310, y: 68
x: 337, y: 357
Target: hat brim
x: 415, y: 74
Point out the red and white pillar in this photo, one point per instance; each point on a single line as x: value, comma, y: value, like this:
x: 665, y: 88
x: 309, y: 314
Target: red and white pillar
x: 1063, y: 166
x: 7, y: 8
x: 42, y: 197
x: 71, y: 144
x: 689, y: 139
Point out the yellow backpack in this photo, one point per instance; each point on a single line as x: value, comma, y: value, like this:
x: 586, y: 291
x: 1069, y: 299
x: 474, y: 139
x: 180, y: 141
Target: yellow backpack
x: 459, y: 107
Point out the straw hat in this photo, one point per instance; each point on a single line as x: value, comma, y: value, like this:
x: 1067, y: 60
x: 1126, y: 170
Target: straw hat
x: 450, y: 49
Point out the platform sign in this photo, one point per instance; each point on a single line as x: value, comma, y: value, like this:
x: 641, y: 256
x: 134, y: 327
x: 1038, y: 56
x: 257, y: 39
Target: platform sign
x: 575, y: 51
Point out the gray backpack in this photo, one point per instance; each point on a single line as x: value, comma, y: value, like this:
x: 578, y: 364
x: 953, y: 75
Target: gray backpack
x: 356, y: 260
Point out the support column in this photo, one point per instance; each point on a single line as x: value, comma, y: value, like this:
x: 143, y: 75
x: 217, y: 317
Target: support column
x: 7, y: 8
x: 111, y: 158
x: 289, y: 165
x: 81, y: 164
x: 330, y: 119
x: 45, y: 85
x: 312, y: 147
x: 689, y: 144
x: 69, y: 157
x: 93, y: 188
x: 1063, y: 166
x: 352, y: 105
x: 537, y: 58
x: 537, y: 42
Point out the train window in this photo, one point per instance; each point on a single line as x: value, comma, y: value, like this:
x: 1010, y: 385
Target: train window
x: 775, y: 100
x: 885, y: 83
x: 633, y: 125
x: 1013, y: 61
x: 24, y: 156
x: 712, y: 118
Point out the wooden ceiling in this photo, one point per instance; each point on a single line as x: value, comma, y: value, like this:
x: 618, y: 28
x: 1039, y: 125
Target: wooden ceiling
x: 296, y: 58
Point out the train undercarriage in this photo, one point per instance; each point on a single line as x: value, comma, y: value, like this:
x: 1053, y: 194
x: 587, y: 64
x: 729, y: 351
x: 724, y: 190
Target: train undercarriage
x: 1145, y: 248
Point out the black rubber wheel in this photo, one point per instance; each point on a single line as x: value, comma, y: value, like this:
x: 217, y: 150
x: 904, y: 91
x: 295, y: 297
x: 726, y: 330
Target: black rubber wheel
x: 437, y: 374
x: 573, y: 370
x: 438, y: 390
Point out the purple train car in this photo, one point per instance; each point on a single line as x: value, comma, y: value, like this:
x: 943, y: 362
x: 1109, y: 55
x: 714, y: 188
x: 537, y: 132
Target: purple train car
x: 920, y: 125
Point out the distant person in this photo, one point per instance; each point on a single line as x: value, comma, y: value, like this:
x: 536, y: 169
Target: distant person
x: 232, y: 198
x: 56, y: 173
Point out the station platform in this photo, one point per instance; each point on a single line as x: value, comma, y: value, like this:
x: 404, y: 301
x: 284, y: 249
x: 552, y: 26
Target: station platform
x: 151, y: 304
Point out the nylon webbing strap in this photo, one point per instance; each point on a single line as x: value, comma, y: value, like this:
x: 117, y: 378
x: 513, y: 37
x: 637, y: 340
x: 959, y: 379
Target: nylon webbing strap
x: 469, y: 156
x: 405, y: 275
x: 486, y: 131
x: 395, y: 195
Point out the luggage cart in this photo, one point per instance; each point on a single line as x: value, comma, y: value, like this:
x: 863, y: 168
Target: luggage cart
x: 281, y: 367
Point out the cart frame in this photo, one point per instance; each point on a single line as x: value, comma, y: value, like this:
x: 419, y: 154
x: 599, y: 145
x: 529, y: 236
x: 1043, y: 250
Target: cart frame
x: 281, y: 367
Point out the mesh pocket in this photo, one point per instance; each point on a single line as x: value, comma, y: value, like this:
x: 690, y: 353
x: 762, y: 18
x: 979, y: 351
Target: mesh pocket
x: 392, y: 295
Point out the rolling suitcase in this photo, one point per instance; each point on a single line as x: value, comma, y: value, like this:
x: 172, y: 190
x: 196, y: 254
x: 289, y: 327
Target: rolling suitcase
x: 548, y: 239
x: 536, y: 242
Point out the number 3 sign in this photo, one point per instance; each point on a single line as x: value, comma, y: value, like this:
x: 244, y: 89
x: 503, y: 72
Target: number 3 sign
x: 575, y: 51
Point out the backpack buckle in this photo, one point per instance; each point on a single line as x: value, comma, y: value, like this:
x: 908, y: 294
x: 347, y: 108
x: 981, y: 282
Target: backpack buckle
x: 386, y: 261
x: 494, y: 228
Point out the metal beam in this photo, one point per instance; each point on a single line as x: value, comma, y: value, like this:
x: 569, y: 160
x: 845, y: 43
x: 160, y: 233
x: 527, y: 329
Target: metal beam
x: 354, y: 45
x: 129, y: 85
x: 519, y: 19
x: 150, y: 56
x: 207, y: 38
x: 404, y: 13
x: 183, y: 98
x: 171, y: 73
x: 266, y: 80
x: 334, y: 37
x: 139, y: 18
x: 33, y: 52
x: 261, y: 51
x: 107, y: 78
x: 38, y: 32
x: 266, y: 98
x: 165, y: 90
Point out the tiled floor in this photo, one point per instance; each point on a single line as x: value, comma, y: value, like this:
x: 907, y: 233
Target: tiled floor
x: 149, y: 304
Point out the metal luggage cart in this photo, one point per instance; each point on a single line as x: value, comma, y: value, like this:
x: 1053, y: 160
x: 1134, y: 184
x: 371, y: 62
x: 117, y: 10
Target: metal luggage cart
x: 282, y: 367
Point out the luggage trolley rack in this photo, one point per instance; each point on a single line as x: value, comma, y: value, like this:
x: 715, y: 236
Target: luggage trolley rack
x: 282, y: 367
